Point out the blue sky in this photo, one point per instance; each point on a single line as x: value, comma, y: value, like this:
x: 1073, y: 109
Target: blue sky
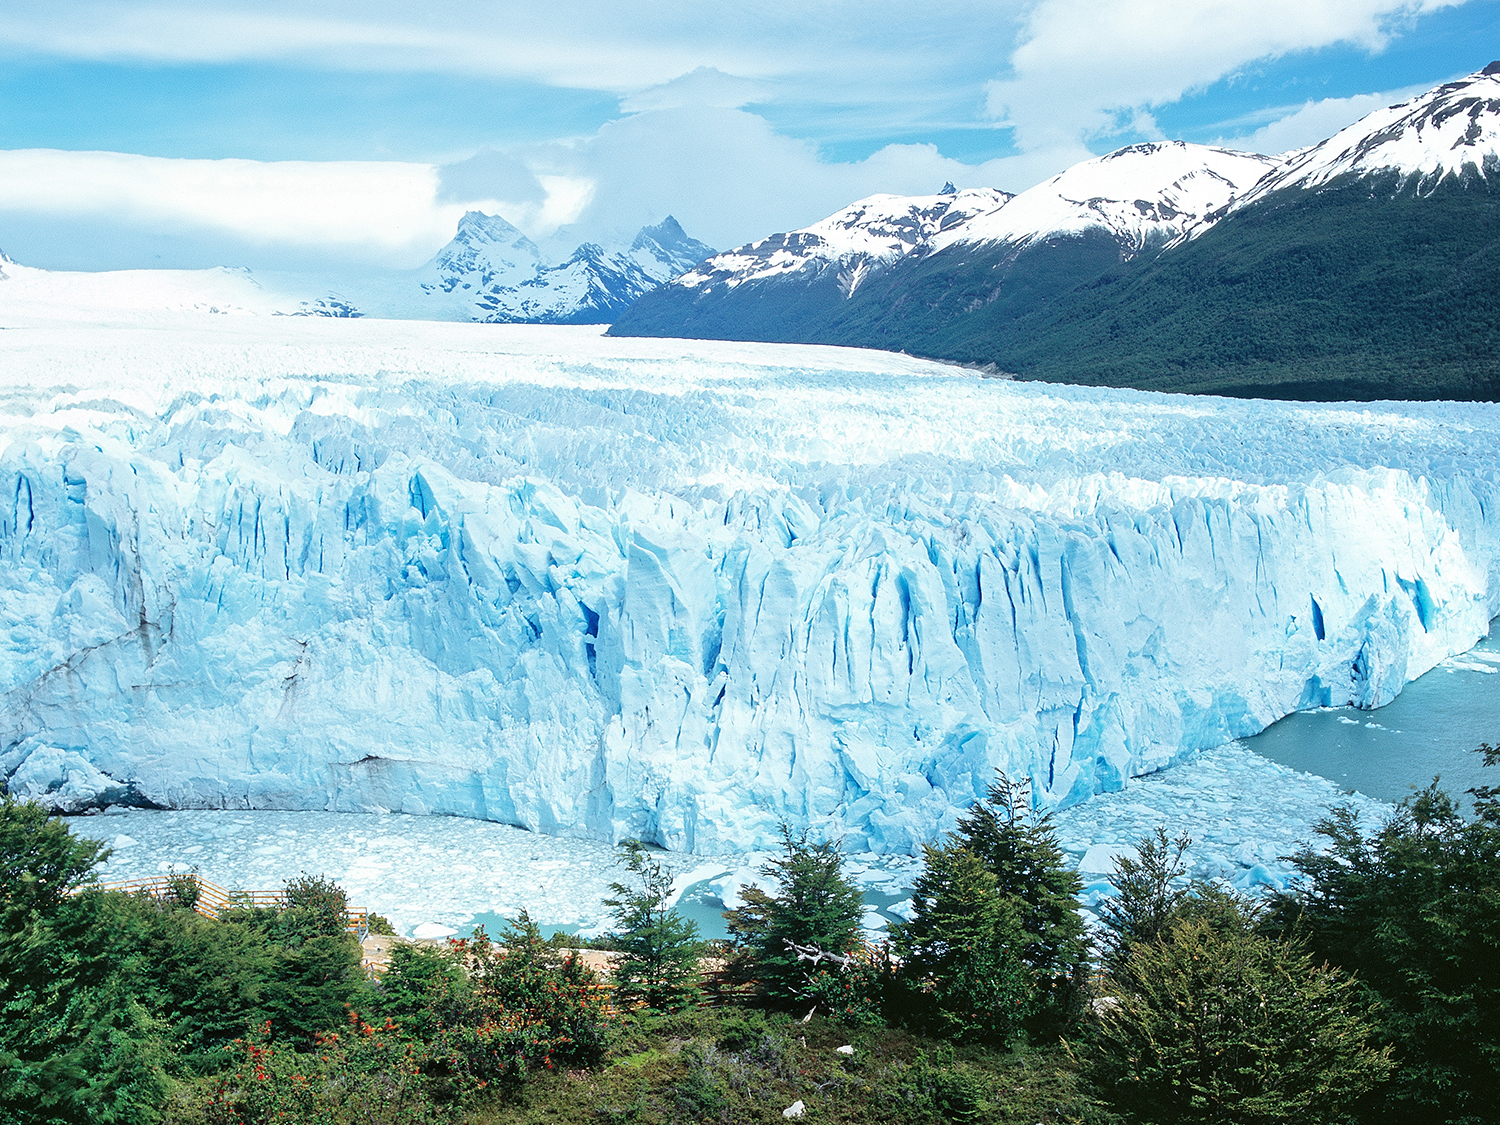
x: 261, y: 134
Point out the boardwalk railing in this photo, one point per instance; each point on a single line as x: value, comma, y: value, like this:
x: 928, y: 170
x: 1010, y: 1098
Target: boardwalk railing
x: 212, y: 900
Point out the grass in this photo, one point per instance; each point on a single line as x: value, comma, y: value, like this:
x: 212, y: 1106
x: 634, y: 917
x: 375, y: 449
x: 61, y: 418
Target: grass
x: 743, y: 1066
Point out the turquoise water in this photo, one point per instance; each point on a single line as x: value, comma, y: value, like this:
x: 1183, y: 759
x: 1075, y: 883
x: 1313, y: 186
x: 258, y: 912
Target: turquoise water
x: 1430, y: 729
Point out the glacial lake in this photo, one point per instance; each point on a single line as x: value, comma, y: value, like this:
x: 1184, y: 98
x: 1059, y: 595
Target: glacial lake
x: 1431, y: 728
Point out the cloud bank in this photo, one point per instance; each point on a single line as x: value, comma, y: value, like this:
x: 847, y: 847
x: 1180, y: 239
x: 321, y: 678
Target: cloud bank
x: 1095, y: 68
x: 699, y: 89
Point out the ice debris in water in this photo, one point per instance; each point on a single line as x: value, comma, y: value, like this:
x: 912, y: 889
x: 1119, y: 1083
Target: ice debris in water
x: 1243, y: 811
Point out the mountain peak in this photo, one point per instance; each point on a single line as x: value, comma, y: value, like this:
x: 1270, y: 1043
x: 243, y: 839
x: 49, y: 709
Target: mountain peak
x: 669, y: 244
x: 1141, y: 194
x: 478, y: 226
x: 1436, y: 134
x: 667, y: 228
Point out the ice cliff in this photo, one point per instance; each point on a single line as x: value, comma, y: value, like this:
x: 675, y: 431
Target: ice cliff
x: 679, y: 590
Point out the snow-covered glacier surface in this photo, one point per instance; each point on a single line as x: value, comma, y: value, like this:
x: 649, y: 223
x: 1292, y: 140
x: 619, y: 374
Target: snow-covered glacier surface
x: 682, y: 590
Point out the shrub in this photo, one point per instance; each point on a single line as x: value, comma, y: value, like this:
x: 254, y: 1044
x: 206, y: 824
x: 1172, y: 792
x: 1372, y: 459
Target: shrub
x: 740, y: 1029
x: 313, y: 984
x: 1213, y: 1022
x: 205, y: 980
x: 1414, y: 909
x: 856, y: 993
x: 423, y: 988
x: 315, y: 907
x: 526, y: 1008
x: 183, y: 889
x: 362, y: 1073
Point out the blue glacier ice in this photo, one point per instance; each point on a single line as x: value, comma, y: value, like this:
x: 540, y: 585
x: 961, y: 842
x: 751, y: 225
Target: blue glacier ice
x: 682, y: 590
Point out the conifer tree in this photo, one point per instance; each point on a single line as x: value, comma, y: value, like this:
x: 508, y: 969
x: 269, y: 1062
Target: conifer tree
x: 1152, y: 889
x: 1019, y: 848
x: 962, y: 952
x: 660, y: 948
x: 1214, y: 1022
x: 814, y: 907
x: 1413, y: 909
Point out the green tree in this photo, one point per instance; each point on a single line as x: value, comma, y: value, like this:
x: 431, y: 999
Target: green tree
x: 316, y: 906
x: 40, y: 859
x: 1019, y: 848
x: 314, y: 985
x: 1151, y: 889
x: 659, y: 947
x: 76, y: 1043
x: 962, y: 954
x: 205, y: 980
x: 814, y: 908
x: 1212, y: 1022
x: 1414, y: 909
x: 422, y: 987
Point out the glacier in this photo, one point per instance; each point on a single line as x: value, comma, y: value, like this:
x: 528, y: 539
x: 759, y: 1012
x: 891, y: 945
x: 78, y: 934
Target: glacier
x: 683, y: 590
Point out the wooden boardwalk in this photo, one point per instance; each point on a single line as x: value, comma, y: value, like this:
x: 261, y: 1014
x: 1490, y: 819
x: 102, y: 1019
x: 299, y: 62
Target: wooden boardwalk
x: 212, y: 900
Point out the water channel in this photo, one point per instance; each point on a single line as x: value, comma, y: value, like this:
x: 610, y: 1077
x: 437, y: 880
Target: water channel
x: 1430, y: 729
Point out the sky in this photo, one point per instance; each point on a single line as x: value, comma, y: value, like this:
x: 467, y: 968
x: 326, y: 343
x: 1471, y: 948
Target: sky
x: 288, y: 136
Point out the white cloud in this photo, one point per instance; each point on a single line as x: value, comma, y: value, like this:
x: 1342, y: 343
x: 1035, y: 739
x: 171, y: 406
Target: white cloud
x: 826, y: 45
x: 726, y: 174
x: 362, y: 37
x: 1080, y: 70
x: 382, y: 212
x: 729, y: 177
x: 1084, y: 67
x: 704, y: 86
x: 1313, y: 121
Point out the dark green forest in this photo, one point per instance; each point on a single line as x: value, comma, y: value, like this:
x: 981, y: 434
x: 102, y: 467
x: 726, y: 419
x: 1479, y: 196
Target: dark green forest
x: 1368, y: 993
x: 1363, y: 289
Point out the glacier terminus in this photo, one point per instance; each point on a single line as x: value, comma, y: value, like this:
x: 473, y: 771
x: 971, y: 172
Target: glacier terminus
x: 683, y: 590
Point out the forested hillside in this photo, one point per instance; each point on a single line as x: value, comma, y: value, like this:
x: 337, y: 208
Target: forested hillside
x: 1364, y: 289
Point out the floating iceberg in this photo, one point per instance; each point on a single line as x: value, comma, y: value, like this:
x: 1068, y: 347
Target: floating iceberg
x: 681, y: 591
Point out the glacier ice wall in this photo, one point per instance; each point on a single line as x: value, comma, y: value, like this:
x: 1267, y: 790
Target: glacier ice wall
x: 679, y: 591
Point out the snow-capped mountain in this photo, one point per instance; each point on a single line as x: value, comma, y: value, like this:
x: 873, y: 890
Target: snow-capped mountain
x: 491, y: 272
x: 849, y: 244
x: 1141, y: 196
x: 486, y: 253
x: 1168, y: 266
x: 1443, y: 132
x: 868, y: 274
